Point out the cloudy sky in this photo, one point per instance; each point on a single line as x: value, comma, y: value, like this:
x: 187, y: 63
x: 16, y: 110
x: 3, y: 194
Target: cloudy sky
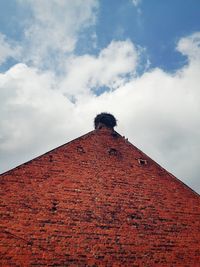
x: 64, y: 61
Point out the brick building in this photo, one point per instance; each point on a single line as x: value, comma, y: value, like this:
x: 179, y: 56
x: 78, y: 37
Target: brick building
x: 97, y: 201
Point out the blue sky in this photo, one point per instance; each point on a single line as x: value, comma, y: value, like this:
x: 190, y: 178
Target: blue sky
x: 155, y: 25
x: 63, y: 61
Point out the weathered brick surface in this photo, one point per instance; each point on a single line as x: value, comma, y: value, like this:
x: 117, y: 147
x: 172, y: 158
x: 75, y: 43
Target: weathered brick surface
x: 92, y: 202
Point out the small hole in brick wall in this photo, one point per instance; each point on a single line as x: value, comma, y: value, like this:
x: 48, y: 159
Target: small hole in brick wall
x: 54, y: 206
x: 30, y: 243
x: 142, y: 161
x: 80, y: 149
x: 50, y: 158
x: 112, y: 152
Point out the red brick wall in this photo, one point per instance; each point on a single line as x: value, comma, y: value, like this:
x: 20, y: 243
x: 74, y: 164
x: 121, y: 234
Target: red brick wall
x: 91, y: 202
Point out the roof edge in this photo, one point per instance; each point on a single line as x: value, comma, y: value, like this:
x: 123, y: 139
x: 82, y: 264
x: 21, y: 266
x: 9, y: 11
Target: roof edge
x: 37, y: 157
x: 173, y: 176
x: 86, y: 135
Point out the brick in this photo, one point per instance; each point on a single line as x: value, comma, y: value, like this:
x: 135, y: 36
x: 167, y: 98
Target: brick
x: 97, y: 201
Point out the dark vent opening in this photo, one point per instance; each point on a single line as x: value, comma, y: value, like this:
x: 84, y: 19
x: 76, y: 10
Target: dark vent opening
x: 112, y: 151
x: 80, y: 149
x: 142, y: 162
x: 54, y: 206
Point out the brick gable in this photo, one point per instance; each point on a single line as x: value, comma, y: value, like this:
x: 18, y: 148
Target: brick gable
x: 97, y: 201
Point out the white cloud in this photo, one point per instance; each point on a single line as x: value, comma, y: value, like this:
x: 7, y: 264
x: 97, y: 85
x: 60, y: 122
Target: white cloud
x: 189, y: 46
x: 109, y: 69
x: 7, y: 49
x: 53, y: 29
x: 33, y: 115
x: 31, y: 98
x: 136, y: 2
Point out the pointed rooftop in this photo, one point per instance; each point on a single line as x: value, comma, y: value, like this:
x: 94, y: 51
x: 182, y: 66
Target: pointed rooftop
x: 97, y: 201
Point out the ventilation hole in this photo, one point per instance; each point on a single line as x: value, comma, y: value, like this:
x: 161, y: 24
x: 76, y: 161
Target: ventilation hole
x: 113, y: 152
x: 54, y: 206
x: 30, y: 243
x: 142, y: 162
x: 80, y: 149
x: 135, y: 216
x: 54, y: 209
x: 51, y: 158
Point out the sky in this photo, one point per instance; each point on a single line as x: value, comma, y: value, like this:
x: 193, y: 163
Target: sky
x: 64, y: 61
